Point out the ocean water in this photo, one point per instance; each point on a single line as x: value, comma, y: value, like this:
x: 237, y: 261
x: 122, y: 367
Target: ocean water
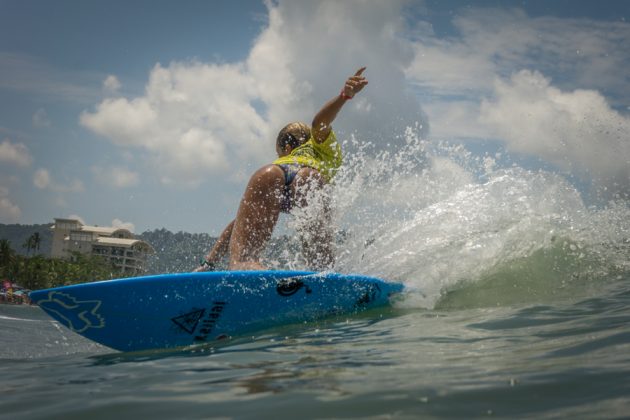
x: 517, y: 305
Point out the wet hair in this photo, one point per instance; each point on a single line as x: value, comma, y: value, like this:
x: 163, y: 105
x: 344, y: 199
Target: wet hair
x: 294, y: 134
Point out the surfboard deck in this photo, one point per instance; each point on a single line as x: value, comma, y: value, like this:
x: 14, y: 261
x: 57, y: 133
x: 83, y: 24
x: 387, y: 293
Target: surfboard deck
x: 173, y: 310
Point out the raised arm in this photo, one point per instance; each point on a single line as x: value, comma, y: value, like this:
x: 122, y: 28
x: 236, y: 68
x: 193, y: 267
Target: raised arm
x: 322, y: 122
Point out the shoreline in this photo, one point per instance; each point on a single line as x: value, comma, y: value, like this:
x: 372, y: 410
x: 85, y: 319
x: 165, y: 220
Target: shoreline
x: 17, y: 301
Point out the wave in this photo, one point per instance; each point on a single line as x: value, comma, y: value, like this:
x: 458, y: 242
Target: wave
x: 462, y: 231
x: 564, y: 271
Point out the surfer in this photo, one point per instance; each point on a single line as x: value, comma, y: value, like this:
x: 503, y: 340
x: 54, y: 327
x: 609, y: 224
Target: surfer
x: 308, y: 158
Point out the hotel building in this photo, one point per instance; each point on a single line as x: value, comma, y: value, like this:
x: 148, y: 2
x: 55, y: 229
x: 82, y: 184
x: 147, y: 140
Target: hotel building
x: 118, y: 245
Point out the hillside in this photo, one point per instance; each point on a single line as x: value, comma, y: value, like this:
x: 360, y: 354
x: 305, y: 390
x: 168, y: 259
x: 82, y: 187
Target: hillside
x: 175, y: 252
x: 17, y: 235
x: 182, y: 251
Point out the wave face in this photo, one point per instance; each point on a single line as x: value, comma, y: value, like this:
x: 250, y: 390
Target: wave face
x: 462, y: 232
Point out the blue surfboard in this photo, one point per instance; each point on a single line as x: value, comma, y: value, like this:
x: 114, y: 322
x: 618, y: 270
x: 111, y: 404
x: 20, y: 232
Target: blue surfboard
x: 173, y: 310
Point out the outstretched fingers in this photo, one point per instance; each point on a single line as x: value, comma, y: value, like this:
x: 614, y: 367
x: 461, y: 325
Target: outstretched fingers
x: 355, y: 83
x: 360, y: 71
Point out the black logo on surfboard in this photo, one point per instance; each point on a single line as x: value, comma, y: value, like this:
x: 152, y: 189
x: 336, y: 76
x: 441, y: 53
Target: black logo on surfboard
x: 290, y: 286
x: 188, y: 322
x: 200, y: 322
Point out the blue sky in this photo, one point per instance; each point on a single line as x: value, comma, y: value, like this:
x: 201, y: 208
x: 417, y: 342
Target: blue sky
x: 152, y: 114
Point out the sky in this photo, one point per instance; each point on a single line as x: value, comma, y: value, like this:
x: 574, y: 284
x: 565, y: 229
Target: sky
x: 149, y: 114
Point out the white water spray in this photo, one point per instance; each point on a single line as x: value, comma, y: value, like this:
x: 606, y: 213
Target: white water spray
x: 436, y: 217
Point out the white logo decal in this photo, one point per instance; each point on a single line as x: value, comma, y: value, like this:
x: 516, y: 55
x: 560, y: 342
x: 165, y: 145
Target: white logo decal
x: 74, y: 314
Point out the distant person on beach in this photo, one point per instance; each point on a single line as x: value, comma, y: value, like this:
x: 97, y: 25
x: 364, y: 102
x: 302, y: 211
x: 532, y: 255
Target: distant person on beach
x: 308, y: 158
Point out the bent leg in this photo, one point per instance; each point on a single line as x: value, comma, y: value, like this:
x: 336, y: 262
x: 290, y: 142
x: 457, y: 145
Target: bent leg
x: 317, y: 232
x: 256, y: 217
x: 218, y: 251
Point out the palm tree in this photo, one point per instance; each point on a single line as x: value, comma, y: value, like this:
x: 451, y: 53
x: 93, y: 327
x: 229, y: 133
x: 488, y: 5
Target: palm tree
x: 37, y: 241
x: 28, y: 244
x: 32, y: 243
x: 6, y: 253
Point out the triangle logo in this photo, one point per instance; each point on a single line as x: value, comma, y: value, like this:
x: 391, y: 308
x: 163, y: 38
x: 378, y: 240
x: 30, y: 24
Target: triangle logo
x: 188, y: 322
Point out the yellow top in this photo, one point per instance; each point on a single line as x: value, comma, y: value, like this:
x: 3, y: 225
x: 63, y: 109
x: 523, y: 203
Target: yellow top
x: 325, y: 157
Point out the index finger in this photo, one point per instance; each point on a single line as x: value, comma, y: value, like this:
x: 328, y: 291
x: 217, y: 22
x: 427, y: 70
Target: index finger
x: 361, y: 70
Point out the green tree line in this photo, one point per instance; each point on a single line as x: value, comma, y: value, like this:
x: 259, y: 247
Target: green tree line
x: 39, y: 272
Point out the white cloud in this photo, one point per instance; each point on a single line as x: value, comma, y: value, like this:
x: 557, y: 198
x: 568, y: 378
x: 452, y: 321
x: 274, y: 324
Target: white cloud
x: 44, y: 181
x: 578, y: 130
x: 40, y: 119
x: 456, y: 119
x: 570, y: 123
x: 117, y: 223
x: 116, y: 176
x: 111, y: 84
x: 126, y: 123
x: 15, y: 154
x: 499, y: 42
x: 193, y: 119
x: 41, y: 179
x: 197, y: 119
x: 447, y: 67
x: 9, y: 212
x: 301, y: 71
